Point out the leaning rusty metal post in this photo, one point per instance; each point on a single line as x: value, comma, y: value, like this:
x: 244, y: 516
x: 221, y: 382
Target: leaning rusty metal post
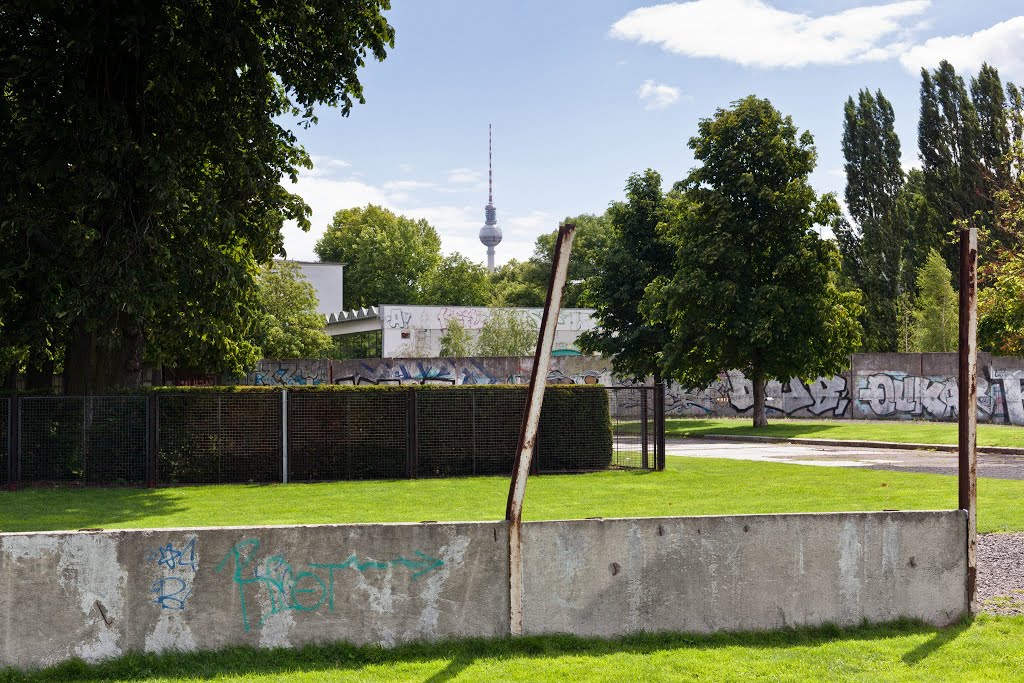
x: 968, y: 411
x: 531, y: 421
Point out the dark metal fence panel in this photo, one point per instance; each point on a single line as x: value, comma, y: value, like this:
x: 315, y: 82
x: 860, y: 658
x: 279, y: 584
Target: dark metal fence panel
x: 347, y: 435
x: 114, y: 447
x: 219, y: 438
x: 51, y: 438
x: 467, y: 431
x: 91, y: 440
x: 386, y: 433
x: 634, y: 427
x: 575, y: 430
x: 5, y: 439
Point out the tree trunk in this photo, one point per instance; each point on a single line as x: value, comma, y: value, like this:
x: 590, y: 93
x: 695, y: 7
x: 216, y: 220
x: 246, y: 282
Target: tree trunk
x: 760, y: 414
x: 97, y: 361
x: 39, y: 375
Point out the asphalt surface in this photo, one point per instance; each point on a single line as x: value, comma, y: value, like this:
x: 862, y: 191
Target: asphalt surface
x: 932, y: 462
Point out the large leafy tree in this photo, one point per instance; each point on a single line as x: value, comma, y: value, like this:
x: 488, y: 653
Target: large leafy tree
x: 754, y: 287
x: 457, y: 281
x: 874, y: 183
x: 636, y: 254
x: 143, y: 147
x: 289, y: 325
x: 387, y: 257
x: 526, y: 283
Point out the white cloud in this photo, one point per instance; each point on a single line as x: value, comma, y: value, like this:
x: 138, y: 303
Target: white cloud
x: 407, y: 185
x: 1001, y: 45
x: 657, y: 95
x: 325, y: 197
x: 753, y: 33
x: 465, y: 176
x: 534, y: 220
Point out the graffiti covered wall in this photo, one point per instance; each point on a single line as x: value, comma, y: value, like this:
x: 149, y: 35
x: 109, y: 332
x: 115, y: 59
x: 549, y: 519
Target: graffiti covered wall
x: 101, y: 594
x: 916, y: 386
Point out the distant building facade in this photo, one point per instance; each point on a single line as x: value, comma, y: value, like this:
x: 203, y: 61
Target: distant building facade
x: 401, y: 331
x: 328, y: 279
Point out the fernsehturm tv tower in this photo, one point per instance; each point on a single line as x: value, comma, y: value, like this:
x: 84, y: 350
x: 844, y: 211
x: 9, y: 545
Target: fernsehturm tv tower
x: 490, y: 234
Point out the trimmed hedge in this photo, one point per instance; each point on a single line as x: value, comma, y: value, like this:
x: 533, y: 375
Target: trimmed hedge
x: 234, y: 434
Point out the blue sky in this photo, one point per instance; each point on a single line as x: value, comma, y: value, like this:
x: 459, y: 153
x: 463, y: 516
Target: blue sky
x: 581, y: 93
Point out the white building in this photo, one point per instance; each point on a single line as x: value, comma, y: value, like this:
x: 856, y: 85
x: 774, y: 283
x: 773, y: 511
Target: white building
x: 328, y: 279
x: 415, y: 331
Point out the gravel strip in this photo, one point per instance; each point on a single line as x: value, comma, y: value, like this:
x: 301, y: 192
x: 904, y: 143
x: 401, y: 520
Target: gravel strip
x: 1001, y: 573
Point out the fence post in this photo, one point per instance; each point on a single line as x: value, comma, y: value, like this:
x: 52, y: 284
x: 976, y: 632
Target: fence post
x: 14, y: 447
x: 284, y: 436
x: 645, y: 459
x: 152, y: 439
x: 659, y: 425
x: 412, y: 450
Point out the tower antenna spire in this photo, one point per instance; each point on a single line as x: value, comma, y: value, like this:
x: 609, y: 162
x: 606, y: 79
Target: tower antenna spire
x: 490, y: 234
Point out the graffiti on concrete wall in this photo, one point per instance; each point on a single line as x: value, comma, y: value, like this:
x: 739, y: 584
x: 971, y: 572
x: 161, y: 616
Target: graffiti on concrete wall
x: 309, y: 588
x: 895, y: 395
x: 823, y: 395
x: 883, y: 394
x: 177, y: 566
x: 464, y: 371
x: 291, y: 373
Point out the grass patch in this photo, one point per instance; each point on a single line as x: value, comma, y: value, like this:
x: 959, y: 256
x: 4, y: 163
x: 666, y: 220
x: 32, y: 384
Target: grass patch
x: 689, y: 486
x: 987, y: 649
x: 899, y: 431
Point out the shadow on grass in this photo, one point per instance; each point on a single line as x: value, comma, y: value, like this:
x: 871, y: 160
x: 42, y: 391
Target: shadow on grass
x: 461, y: 654
x: 941, y: 638
x: 677, y: 427
x: 50, y: 509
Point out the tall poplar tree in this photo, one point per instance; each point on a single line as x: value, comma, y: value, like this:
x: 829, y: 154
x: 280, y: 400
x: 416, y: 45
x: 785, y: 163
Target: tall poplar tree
x: 950, y: 141
x: 874, y: 181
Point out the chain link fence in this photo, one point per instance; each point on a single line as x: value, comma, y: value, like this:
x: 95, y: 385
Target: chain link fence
x: 320, y: 435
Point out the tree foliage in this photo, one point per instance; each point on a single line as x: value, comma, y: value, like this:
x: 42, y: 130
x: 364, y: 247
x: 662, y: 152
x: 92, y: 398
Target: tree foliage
x: 753, y: 287
x: 936, y: 307
x: 507, y: 332
x: 525, y: 283
x: 290, y: 325
x: 874, y: 184
x: 143, y: 152
x: 457, y: 281
x: 635, y: 255
x: 456, y: 341
x: 386, y: 256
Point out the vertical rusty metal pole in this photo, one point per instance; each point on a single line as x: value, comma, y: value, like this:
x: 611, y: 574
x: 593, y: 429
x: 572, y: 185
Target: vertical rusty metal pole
x: 968, y: 412
x: 531, y: 421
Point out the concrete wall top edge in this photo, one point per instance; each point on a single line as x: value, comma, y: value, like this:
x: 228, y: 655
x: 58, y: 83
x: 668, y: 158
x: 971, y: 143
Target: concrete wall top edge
x: 172, y: 529
x: 498, y: 523
x: 775, y: 515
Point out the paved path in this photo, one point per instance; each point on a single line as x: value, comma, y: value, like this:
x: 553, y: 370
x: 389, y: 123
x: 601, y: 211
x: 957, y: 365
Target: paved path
x: 935, y: 462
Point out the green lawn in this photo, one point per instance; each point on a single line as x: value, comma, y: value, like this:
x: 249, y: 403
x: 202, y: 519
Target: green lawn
x: 989, y: 650
x: 690, y: 486
x: 902, y: 431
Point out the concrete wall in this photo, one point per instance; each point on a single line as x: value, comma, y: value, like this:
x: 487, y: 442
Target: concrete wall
x: 100, y: 594
x: 96, y: 595
x: 886, y: 386
x: 701, y: 574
